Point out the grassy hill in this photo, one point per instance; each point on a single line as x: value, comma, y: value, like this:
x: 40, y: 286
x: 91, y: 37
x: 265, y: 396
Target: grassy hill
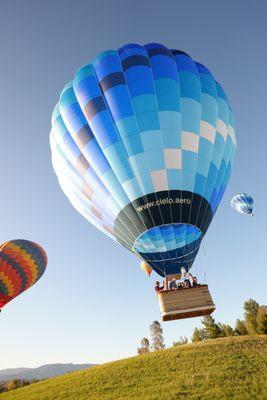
x: 227, y: 368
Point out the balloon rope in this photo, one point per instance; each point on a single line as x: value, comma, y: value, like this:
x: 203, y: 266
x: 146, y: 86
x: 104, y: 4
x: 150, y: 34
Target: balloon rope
x: 205, y: 269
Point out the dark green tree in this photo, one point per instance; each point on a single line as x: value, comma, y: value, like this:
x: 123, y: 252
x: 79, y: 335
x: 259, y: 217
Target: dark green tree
x: 145, y: 346
x: 240, y: 328
x: 25, y: 383
x: 251, y: 309
x: 226, y: 329
x: 211, y: 329
x: 262, y: 320
x: 198, y: 335
x: 14, y: 384
x: 157, y: 336
x: 180, y: 341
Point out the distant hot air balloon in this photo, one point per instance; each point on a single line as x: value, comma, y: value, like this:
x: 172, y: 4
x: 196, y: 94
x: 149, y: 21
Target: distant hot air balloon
x: 146, y: 268
x: 243, y: 203
x: 143, y: 144
x: 22, y: 263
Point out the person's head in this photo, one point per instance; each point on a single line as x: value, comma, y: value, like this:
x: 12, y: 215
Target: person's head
x: 195, y: 279
x: 156, y: 283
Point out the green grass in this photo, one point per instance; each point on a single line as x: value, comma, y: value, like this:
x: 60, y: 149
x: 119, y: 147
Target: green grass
x: 228, y: 368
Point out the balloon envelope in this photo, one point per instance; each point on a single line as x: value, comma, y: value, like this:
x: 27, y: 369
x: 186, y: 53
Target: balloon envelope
x: 22, y: 263
x: 243, y: 203
x: 143, y: 144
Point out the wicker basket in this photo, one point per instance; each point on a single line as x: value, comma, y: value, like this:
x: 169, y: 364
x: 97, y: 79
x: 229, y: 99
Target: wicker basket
x: 185, y: 303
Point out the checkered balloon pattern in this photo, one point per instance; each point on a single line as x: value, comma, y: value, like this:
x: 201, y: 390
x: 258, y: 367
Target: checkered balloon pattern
x: 22, y: 263
x: 143, y: 144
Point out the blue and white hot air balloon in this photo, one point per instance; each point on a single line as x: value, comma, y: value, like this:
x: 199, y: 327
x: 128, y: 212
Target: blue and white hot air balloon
x: 243, y: 203
x: 143, y: 144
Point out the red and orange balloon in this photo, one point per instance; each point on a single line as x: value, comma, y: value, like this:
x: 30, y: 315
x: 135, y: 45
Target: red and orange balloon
x: 22, y: 263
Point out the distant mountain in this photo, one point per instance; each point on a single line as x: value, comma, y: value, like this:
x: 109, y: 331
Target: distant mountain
x: 45, y: 371
x: 225, y: 368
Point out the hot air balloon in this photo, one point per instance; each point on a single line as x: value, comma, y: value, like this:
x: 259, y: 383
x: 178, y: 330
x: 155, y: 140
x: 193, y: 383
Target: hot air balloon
x: 22, y: 263
x: 243, y: 203
x: 146, y: 268
x: 143, y: 144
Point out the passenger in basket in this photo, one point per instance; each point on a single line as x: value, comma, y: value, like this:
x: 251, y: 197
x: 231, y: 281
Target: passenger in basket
x: 191, y: 279
x: 187, y: 284
x: 173, y: 285
x: 186, y: 277
x: 158, y: 288
x: 195, y: 281
x: 165, y: 284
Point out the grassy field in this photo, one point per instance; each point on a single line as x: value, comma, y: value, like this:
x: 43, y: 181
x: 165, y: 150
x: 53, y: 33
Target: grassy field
x: 228, y: 368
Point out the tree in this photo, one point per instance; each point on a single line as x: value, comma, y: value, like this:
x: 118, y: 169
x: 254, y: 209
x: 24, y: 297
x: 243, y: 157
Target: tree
x: 144, y: 346
x: 211, y: 329
x: 226, y: 330
x: 240, y: 328
x: 262, y: 320
x: 157, y: 336
x: 251, y: 309
x: 198, y: 335
x: 14, y: 384
x: 180, y: 341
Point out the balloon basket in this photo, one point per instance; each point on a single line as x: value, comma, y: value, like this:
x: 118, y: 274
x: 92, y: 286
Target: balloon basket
x: 185, y: 303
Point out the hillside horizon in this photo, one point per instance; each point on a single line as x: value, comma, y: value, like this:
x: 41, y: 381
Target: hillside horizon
x: 232, y: 367
x: 41, y: 372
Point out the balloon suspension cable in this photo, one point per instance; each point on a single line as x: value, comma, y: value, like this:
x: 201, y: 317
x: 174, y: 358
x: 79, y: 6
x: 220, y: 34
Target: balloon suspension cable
x: 205, y: 262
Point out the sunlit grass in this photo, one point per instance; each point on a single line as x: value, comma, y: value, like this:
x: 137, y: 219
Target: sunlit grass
x: 227, y: 368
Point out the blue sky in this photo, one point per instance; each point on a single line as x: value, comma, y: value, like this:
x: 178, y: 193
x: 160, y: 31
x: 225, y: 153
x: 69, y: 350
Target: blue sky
x: 94, y: 304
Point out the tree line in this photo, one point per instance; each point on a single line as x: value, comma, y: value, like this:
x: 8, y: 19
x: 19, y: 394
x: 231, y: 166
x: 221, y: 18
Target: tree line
x: 254, y: 322
x: 15, y: 384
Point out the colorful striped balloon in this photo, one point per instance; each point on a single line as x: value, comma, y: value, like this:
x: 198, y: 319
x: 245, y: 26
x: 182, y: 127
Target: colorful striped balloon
x: 143, y: 143
x: 22, y: 263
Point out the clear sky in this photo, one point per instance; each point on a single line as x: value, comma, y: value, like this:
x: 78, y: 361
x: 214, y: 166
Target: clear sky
x: 94, y: 304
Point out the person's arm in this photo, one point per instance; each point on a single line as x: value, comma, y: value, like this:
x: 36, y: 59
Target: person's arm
x: 191, y: 280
